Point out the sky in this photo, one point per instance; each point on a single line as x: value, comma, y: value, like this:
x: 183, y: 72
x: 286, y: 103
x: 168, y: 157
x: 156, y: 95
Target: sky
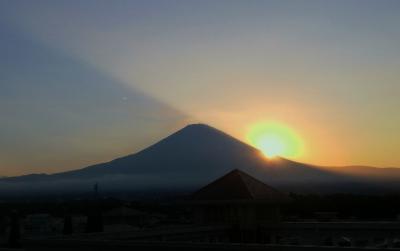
x: 83, y: 82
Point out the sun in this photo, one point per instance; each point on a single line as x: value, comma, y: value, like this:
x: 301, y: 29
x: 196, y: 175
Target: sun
x: 274, y: 138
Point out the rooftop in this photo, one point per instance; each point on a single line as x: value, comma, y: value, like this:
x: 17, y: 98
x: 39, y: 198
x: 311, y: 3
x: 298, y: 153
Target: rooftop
x: 239, y: 186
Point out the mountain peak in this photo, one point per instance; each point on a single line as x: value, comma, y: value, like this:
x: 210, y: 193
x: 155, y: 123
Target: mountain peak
x: 198, y: 126
x: 196, y: 131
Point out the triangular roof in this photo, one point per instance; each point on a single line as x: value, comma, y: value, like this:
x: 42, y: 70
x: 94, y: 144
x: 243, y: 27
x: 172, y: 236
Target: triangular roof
x: 239, y: 186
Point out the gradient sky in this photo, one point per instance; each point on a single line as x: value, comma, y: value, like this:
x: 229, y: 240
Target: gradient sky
x: 88, y: 81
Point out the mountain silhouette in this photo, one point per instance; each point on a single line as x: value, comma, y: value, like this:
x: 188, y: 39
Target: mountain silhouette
x: 191, y: 158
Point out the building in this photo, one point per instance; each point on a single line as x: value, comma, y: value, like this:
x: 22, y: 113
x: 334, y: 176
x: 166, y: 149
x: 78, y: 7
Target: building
x: 237, y: 199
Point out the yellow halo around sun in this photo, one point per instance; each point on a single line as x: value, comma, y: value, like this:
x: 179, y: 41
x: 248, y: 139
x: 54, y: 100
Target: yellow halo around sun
x: 274, y: 138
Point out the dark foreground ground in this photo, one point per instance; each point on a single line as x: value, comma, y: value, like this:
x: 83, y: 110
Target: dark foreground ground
x: 310, y: 222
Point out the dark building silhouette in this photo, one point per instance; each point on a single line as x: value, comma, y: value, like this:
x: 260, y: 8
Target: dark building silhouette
x: 237, y: 199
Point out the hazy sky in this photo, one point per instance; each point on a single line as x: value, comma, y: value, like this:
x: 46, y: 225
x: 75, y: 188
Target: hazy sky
x: 88, y: 81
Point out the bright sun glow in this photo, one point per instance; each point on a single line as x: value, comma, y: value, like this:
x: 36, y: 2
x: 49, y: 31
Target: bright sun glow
x: 275, y: 139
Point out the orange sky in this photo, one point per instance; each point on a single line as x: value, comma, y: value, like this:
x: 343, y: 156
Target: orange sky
x: 78, y: 88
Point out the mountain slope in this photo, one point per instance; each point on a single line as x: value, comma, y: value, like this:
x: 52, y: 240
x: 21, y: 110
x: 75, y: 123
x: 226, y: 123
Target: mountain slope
x: 188, y: 159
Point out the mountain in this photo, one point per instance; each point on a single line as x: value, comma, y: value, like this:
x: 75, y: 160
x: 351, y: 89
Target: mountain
x: 189, y: 159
